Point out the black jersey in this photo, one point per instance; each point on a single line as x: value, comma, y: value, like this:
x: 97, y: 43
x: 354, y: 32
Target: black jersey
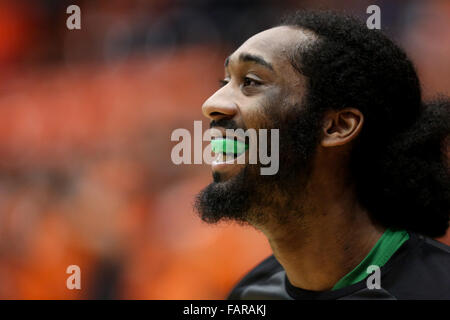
x: 419, y: 269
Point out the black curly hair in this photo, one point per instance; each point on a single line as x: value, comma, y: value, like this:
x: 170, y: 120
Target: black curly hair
x: 398, y: 161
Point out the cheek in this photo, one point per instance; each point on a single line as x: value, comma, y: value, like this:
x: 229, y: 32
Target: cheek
x: 256, y: 115
x: 275, y: 108
x: 264, y: 111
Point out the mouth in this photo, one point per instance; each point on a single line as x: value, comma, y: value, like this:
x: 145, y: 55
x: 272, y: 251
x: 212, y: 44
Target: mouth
x: 228, y: 153
x: 228, y: 149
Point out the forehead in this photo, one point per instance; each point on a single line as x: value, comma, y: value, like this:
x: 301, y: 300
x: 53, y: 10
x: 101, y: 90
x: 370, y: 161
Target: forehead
x: 274, y: 45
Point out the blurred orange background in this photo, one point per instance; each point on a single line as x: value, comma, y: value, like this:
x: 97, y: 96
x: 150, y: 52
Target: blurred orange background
x: 86, y: 117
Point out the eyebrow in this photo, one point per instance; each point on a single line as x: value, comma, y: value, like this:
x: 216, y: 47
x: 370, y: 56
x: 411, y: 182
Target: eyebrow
x: 247, y: 57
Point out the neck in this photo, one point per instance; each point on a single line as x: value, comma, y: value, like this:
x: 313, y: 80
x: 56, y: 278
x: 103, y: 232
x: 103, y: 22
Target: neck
x: 329, y: 238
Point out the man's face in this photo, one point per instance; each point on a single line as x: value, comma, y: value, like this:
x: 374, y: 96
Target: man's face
x: 261, y: 90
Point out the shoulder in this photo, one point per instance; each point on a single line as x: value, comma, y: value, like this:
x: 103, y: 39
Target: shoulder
x: 432, y: 253
x: 424, y: 273
x: 260, y: 273
x: 440, y: 247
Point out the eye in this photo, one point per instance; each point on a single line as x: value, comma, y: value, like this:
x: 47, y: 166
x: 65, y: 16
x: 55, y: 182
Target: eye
x: 250, y: 82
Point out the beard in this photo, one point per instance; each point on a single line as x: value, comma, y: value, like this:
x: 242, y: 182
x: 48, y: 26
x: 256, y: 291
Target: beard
x: 252, y: 198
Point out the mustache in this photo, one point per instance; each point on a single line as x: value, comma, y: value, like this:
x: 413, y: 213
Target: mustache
x: 224, y: 123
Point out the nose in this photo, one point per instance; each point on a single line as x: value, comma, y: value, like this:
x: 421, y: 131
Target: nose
x: 219, y: 106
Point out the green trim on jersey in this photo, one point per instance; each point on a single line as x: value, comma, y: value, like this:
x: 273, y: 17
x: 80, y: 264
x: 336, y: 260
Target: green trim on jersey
x: 383, y: 250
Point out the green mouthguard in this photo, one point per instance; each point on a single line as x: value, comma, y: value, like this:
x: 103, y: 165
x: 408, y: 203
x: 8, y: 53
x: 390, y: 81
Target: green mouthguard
x: 228, y: 146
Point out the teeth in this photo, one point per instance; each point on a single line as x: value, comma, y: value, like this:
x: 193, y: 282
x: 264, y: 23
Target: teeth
x: 229, y: 146
x: 225, y: 157
x: 220, y: 158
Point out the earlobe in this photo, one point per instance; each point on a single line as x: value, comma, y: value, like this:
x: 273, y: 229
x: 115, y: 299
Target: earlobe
x: 341, y: 127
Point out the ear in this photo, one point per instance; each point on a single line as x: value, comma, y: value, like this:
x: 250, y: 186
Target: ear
x: 341, y: 126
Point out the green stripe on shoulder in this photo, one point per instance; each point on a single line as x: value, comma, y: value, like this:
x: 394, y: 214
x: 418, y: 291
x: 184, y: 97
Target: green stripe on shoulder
x: 383, y: 250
